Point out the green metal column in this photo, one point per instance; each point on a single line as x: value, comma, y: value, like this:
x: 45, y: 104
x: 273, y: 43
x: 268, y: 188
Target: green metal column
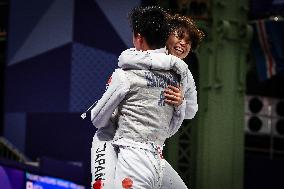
x: 220, y: 127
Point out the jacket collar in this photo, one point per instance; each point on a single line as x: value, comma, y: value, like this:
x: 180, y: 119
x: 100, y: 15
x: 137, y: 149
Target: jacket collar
x: 152, y: 60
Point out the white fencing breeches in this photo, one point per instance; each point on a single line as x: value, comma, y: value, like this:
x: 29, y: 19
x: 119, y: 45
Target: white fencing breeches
x: 103, y: 161
x: 144, y: 168
x: 138, y: 168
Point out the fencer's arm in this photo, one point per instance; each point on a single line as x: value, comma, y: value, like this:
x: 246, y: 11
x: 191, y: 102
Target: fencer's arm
x: 188, y: 84
x: 177, y: 119
x: 190, y: 97
x: 115, y: 93
x: 188, y: 108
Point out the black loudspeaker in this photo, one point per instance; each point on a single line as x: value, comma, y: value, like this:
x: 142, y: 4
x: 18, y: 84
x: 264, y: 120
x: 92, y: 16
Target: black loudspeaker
x: 264, y: 126
x: 257, y: 125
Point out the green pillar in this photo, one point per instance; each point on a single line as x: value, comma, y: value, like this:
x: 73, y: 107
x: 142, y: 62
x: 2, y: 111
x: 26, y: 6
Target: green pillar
x: 220, y: 128
x: 208, y: 152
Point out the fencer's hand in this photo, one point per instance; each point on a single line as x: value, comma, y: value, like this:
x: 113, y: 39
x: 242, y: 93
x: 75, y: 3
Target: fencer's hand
x: 173, y: 95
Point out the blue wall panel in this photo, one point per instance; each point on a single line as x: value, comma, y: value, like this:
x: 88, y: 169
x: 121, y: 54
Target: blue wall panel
x: 60, y: 56
x: 91, y: 69
x: 39, y: 84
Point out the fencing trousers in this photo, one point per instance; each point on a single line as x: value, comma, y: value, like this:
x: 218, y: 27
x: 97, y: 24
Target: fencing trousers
x: 138, y: 168
x: 112, y: 169
x: 106, y: 161
x: 103, y: 160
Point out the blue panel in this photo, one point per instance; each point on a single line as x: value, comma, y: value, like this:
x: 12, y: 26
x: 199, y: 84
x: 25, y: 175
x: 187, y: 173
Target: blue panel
x: 11, y: 178
x: 117, y: 17
x: 34, y: 181
x: 15, y: 129
x: 92, y: 28
x: 22, y: 19
x: 91, y: 69
x: 54, y: 29
x: 40, y: 84
x: 62, y: 136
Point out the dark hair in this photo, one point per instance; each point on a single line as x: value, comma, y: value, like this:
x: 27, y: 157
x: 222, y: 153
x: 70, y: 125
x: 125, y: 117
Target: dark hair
x: 152, y: 24
x: 182, y: 25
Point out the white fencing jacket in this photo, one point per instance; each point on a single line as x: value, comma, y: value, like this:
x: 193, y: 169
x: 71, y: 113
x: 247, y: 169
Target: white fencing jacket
x: 137, y: 91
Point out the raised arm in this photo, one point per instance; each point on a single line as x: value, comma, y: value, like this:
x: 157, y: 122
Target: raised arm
x: 115, y: 93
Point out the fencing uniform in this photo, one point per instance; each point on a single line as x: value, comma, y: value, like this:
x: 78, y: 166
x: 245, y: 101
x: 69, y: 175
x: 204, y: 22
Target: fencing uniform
x: 144, y: 119
x: 103, y: 157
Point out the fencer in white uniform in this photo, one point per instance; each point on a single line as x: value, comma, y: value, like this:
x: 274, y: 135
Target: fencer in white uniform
x: 147, y: 72
x: 143, y: 118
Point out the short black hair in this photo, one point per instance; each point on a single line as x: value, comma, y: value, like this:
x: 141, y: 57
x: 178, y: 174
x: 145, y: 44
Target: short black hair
x: 151, y: 23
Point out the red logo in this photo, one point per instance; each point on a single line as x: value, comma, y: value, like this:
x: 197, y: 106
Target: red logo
x: 127, y: 183
x: 98, y: 184
x: 109, y: 80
